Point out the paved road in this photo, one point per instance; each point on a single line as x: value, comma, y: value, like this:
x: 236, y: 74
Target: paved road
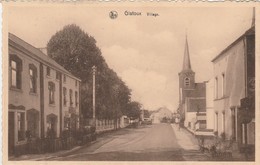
x: 157, y: 142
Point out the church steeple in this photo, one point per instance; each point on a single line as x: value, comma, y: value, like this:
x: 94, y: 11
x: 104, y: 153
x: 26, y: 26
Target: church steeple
x: 186, y: 76
x: 186, y: 59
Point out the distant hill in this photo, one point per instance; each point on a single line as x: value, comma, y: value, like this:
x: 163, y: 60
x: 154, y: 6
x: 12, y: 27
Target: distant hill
x: 161, y: 113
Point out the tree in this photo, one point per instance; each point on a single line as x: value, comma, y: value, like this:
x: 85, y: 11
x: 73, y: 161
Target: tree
x: 134, y: 110
x: 146, y: 114
x: 77, y: 52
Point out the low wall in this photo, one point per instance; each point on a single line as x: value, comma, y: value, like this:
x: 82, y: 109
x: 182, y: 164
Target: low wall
x: 105, y: 125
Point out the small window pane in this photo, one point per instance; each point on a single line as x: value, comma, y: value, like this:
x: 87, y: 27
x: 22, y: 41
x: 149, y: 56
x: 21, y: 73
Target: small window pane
x: 21, y: 126
x: 31, y: 72
x: 13, y: 64
x: 51, y: 92
x: 31, y: 84
x: 14, y: 80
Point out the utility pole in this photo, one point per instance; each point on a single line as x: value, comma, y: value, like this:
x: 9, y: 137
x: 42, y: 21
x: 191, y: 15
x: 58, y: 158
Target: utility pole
x: 94, y: 69
x: 116, y: 95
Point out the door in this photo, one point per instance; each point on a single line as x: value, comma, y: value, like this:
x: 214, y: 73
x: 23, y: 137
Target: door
x: 11, y: 133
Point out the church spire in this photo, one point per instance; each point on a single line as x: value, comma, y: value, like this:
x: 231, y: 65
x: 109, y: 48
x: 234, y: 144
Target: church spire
x: 186, y: 58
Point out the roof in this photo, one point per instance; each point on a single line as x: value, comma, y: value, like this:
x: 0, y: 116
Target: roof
x: 198, y: 91
x: 197, y: 105
x: 250, y: 31
x: 37, y: 54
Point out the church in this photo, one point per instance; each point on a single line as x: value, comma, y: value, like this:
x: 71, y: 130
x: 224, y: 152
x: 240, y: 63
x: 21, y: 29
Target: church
x: 192, y: 96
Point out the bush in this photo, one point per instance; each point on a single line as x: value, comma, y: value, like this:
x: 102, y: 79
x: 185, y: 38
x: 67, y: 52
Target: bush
x: 51, y: 134
x: 65, y: 134
x: 86, y: 130
x: 20, y: 150
x: 223, y: 136
x: 92, y: 129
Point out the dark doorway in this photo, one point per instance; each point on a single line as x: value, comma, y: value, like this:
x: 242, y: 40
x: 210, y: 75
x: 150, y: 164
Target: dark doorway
x: 11, y: 133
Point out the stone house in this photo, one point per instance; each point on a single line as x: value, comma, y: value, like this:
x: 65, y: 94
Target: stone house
x: 43, y: 96
x: 234, y: 90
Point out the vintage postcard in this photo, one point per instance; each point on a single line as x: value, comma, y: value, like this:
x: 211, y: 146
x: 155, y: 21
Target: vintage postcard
x: 164, y: 82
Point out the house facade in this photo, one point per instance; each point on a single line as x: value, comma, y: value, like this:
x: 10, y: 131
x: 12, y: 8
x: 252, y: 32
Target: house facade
x: 210, y: 105
x: 192, y: 96
x: 234, y: 91
x: 43, y: 96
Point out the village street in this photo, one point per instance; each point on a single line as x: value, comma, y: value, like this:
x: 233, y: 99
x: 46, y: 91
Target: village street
x: 157, y: 142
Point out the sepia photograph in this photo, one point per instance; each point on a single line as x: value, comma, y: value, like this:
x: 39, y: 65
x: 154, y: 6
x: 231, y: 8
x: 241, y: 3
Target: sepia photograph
x: 107, y: 82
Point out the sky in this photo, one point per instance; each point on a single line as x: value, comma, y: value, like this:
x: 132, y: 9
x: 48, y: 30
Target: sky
x: 145, y: 51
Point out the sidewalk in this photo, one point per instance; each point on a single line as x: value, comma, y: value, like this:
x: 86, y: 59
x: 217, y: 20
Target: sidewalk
x: 46, y: 156
x: 185, y: 139
x: 188, y: 141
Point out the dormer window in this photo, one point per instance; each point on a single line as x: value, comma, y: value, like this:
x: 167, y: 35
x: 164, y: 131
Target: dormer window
x: 187, y: 81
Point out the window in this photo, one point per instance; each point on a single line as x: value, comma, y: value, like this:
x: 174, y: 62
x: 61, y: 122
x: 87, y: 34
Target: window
x: 187, y: 81
x: 244, y: 133
x: 76, y: 98
x: 234, y: 123
x: 67, y: 122
x: 33, y: 78
x: 76, y: 83
x: 216, y: 88
x: 21, y: 126
x: 64, y: 78
x: 48, y: 71
x: 223, y: 84
x: 71, y: 102
x: 51, y: 87
x: 58, y: 75
x: 216, y: 122
x: 64, y: 96
x: 223, y: 122
x: 16, y: 71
